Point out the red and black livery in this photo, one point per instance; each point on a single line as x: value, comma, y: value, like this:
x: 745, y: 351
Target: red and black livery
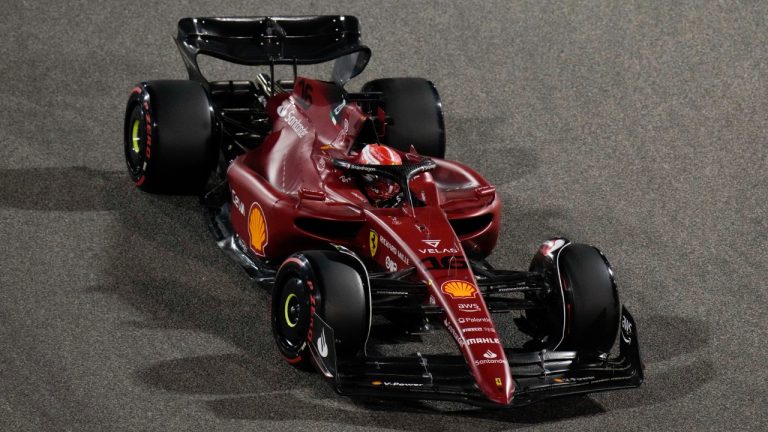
x: 275, y: 164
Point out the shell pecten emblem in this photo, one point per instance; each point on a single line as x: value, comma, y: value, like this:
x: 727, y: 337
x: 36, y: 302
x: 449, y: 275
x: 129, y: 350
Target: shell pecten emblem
x: 459, y: 289
x: 257, y: 229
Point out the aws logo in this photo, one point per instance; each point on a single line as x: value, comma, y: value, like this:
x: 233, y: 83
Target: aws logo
x: 257, y: 229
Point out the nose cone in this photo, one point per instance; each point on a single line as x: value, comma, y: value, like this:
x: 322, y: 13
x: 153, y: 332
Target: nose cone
x: 496, y: 383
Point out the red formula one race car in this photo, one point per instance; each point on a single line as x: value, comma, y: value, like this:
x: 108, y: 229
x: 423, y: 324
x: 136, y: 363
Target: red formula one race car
x: 342, y: 205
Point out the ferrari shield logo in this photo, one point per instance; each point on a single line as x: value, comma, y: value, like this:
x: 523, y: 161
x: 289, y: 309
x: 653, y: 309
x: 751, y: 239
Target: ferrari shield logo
x: 373, y: 242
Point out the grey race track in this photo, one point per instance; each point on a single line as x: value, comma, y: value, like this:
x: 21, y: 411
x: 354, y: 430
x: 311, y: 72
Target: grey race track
x: 640, y: 127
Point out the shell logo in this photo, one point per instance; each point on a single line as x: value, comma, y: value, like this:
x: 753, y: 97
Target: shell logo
x: 459, y: 289
x: 257, y: 229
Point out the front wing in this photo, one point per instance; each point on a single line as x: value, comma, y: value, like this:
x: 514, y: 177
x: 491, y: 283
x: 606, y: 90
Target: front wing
x: 538, y: 375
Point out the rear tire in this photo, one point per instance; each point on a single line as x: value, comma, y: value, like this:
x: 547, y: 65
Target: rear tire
x: 332, y: 283
x: 168, y: 137
x: 585, y: 315
x: 417, y: 114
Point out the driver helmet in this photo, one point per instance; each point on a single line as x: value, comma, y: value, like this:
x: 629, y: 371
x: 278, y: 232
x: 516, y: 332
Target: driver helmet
x: 375, y: 154
x: 378, y: 188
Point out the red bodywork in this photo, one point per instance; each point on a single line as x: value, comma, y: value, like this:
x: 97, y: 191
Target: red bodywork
x: 287, y: 197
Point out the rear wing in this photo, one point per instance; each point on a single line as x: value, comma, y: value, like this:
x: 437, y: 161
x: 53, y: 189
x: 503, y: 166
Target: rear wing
x: 273, y: 41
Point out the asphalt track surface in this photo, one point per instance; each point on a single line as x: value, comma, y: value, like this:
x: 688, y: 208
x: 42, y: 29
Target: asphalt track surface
x: 639, y: 127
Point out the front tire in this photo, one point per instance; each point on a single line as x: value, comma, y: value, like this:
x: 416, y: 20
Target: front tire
x: 582, y: 311
x: 329, y: 283
x: 168, y: 136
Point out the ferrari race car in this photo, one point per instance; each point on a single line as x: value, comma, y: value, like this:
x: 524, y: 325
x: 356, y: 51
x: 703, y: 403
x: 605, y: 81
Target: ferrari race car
x: 342, y: 205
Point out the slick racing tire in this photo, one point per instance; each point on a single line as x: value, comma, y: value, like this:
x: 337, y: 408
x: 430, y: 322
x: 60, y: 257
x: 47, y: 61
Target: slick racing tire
x: 331, y: 284
x: 583, y: 310
x: 168, y: 137
x: 414, y: 106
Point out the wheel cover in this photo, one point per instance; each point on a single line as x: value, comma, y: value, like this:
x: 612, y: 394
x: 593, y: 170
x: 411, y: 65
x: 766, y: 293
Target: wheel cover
x: 135, y: 136
x: 135, y: 143
x: 293, y: 324
x: 291, y: 310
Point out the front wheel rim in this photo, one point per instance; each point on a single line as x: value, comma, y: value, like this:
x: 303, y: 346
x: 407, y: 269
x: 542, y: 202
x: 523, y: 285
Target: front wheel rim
x: 291, y: 310
x: 135, y: 139
x: 293, y: 315
x: 135, y: 143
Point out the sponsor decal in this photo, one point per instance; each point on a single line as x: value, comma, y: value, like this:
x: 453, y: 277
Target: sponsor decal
x: 373, y: 242
x: 339, y: 140
x: 490, y: 354
x: 322, y: 346
x: 395, y: 384
x: 488, y: 361
x: 457, y: 289
x: 237, y: 203
x: 499, y: 383
x: 312, y: 308
x: 320, y: 338
x: 453, y: 332
x: 148, y: 132
x: 573, y: 380
x: 436, y: 251
x: 395, y: 251
x: 390, y: 264
x: 626, y: 329
x: 483, y: 340
x: 257, y: 229
x: 489, y: 330
x: 433, y: 243
x: 474, y: 320
x: 334, y: 113
x: 348, y: 165
x: 288, y: 112
x: 469, y: 307
x: 394, y: 220
x: 445, y: 263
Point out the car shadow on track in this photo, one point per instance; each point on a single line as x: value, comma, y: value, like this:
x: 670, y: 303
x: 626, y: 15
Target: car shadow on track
x: 306, y: 397
x: 256, y: 385
x: 174, y: 224
x: 511, y: 156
